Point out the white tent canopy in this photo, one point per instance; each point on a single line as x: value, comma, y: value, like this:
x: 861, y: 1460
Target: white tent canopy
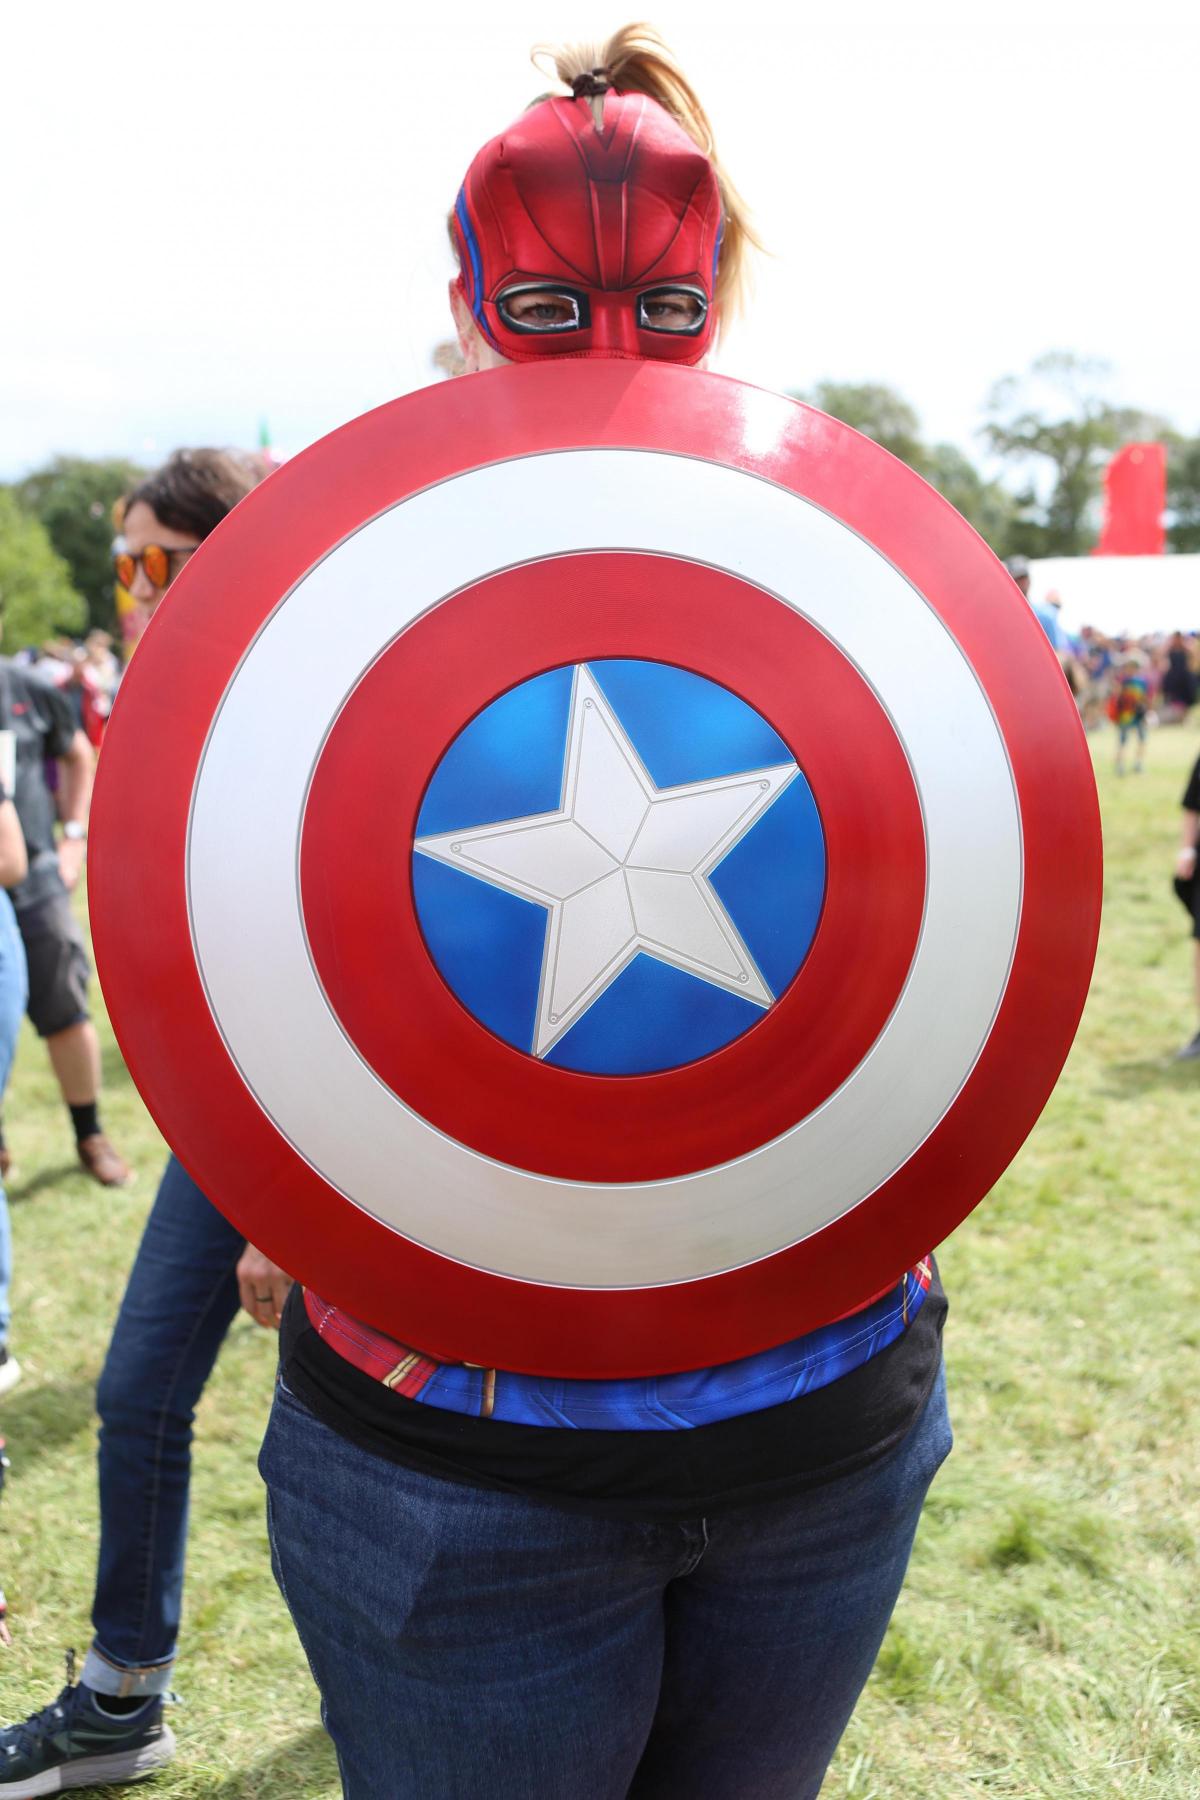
x: 1122, y: 596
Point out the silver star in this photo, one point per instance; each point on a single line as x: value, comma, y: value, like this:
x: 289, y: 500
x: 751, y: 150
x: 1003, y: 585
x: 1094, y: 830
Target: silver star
x: 621, y: 867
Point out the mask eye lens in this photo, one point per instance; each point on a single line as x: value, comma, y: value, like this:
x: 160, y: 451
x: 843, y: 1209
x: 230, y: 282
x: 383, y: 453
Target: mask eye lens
x: 679, y: 310
x: 543, y: 309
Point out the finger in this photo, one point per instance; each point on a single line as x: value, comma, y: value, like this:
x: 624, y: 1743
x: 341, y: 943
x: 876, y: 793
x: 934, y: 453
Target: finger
x: 265, y: 1312
x: 249, y: 1292
x: 278, y: 1296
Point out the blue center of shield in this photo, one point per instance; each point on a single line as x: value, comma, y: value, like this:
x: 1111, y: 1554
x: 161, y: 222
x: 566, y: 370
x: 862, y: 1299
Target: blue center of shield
x: 618, y: 867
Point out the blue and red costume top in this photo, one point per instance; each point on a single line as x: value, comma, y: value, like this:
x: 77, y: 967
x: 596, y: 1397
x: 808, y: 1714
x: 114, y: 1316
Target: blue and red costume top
x: 640, y: 1403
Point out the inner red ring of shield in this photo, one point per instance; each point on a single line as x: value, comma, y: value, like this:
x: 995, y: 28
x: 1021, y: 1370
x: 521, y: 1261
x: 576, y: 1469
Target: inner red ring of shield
x: 356, y: 882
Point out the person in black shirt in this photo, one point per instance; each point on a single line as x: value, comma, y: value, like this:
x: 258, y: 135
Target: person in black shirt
x: 1188, y: 888
x: 44, y: 730
x: 538, y: 1586
x: 13, y: 992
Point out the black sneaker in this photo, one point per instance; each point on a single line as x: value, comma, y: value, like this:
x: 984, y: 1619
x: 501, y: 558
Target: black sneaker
x: 1190, y: 1051
x: 72, y: 1743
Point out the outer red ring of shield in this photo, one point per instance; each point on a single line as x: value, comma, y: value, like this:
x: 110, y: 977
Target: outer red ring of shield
x: 139, y: 838
x: 357, y: 887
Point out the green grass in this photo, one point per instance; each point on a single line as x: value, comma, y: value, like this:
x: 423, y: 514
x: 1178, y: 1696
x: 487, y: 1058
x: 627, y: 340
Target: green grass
x: 249, y: 1728
x: 1048, y: 1640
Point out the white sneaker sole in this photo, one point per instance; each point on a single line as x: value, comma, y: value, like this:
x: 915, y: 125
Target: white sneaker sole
x: 10, y: 1374
x: 95, y: 1771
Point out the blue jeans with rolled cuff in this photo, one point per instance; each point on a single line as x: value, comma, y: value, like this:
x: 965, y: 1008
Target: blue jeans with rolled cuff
x: 469, y: 1642
x: 181, y: 1299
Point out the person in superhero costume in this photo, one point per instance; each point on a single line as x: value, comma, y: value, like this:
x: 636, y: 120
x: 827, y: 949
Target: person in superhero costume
x: 591, y: 227
x: 668, y: 1586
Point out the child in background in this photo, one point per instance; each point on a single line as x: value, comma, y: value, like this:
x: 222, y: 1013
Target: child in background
x: 1127, y: 708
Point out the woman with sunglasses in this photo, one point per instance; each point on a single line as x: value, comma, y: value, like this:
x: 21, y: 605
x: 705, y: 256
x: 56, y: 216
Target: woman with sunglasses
x: 168, y: 516
x: 191, y: 1273
x: 673, y: 1586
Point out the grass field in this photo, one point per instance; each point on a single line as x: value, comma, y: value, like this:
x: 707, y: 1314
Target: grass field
x: 1048, y: 1641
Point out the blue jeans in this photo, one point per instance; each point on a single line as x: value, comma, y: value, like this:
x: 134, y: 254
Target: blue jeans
x: 181, y: 1299
x: 13, y: 992
x: 469, y: 1642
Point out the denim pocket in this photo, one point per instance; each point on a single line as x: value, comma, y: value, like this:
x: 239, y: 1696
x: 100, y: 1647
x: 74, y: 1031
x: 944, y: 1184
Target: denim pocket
x: 286, y: 1394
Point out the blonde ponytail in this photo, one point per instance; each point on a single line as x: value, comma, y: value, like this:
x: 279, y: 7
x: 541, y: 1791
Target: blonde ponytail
x: 636, y: 61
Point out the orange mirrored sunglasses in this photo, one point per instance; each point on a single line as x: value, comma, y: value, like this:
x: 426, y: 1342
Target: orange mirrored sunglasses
x: 155, y: 561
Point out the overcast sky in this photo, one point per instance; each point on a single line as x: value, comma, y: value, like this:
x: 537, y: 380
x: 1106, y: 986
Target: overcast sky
x: 224, y: 212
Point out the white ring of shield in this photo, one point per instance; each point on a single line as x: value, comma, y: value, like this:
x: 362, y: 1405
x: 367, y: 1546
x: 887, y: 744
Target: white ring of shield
x: 248, y: 813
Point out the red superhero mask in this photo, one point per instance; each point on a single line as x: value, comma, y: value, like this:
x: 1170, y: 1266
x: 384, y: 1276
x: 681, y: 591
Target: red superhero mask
x: 578, y: 238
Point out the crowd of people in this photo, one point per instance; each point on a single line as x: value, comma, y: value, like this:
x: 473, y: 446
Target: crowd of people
x: 1136, y: 684
x: 86, y: 673
x: 1130, y: 682
x: 561, y: 1612
x: 1161, y: 670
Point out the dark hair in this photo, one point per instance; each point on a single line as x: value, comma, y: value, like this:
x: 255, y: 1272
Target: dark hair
x: 194, y: 489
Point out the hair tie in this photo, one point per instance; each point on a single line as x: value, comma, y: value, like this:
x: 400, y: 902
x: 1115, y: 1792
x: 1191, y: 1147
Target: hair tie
x: 591, y: 83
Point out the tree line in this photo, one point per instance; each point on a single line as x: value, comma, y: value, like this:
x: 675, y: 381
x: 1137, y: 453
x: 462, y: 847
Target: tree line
x: 56, y: 533
x: 1050, y: 431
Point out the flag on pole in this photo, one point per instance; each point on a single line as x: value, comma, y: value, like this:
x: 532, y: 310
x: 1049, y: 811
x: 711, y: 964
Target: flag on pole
x: 1135, y: 494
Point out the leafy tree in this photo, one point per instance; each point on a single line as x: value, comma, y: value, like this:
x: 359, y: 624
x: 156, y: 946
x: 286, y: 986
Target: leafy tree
x: 882, y: 414
x: 990, y: 508
x: 876, y: 410
x: 1183, y: 493
x: 1055, y: 419
x: 37, y: 599
x: 73, y: 497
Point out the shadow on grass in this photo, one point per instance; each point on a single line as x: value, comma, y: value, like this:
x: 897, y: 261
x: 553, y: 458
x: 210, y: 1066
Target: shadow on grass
x: 36, y: 1421
x: 305, y: 1766
x: 1130, y: 1080
x: 45, y: 1178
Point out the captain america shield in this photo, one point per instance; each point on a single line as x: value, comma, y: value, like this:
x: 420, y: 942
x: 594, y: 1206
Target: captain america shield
x: 595, y: 868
